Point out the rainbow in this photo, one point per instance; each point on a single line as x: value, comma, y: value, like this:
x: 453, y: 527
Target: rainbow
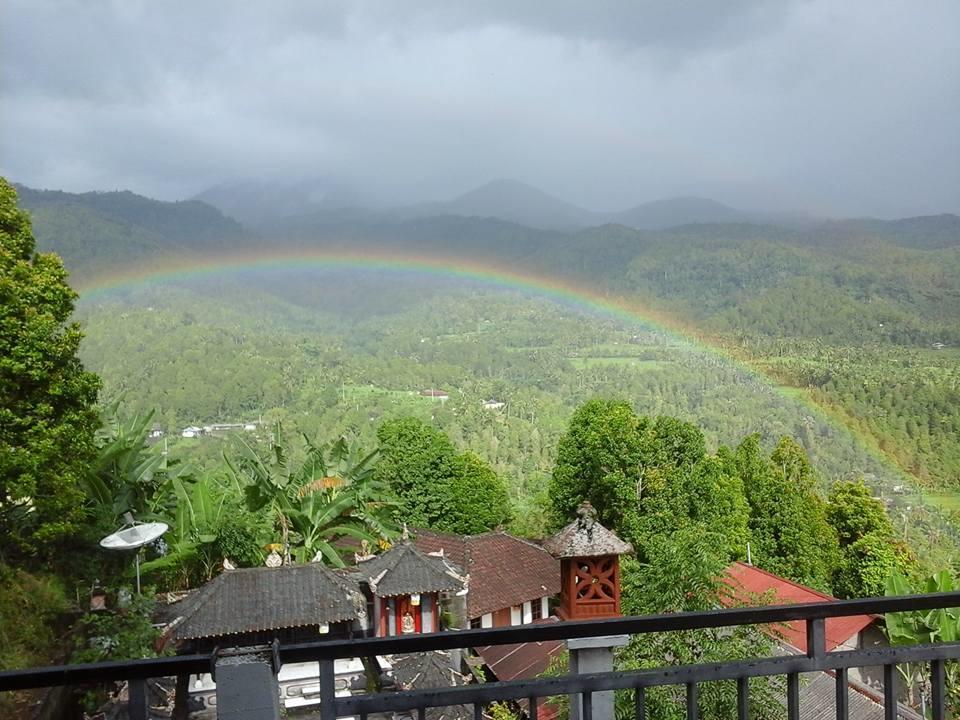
x: 560, y: 290
x: 494, y: 275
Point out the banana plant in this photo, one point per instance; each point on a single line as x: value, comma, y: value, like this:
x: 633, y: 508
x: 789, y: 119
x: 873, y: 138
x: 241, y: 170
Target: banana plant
x: 194, y: 524
x: 127, y: 475
x: 911, y: 628
x: 329, y: 495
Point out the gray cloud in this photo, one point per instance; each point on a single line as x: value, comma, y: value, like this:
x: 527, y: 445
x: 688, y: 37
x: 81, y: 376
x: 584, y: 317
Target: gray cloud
x: 841, y: 108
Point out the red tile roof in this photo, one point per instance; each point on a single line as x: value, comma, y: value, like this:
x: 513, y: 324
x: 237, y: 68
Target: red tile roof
x: 749, y: 581
x: 504, y: 570
x: 523, y: 660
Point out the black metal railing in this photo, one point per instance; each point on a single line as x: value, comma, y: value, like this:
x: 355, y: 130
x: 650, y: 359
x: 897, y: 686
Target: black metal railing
x: 580, y: 686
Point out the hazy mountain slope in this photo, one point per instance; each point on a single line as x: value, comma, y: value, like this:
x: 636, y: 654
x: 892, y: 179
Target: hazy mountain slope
x: 926, y: 232
x: 92, y: 231
x: 258, y: 204
x: 508, y: 200
x: 671, y: 212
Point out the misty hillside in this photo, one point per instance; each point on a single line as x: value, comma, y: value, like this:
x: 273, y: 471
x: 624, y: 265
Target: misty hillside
x: 926, y: 232
x: 99, y: 229
x: 258, y: 203
x: 512, y: 201
x: 662, y: 214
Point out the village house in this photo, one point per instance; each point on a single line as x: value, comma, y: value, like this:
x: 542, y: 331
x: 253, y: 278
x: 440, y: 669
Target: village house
x: 479, y: 581
x: 750, y: 585
x: 512, y: 581
x: 441, y: 395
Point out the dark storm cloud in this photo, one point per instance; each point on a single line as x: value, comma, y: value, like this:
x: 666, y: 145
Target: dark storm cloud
x: 835, y: 107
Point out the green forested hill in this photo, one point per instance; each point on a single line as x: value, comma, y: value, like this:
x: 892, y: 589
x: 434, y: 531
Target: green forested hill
x: 847, y: 312
x: 96, y: 230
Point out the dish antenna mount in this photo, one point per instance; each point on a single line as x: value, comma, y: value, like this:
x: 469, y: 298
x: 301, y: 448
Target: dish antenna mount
x: 134, y: 535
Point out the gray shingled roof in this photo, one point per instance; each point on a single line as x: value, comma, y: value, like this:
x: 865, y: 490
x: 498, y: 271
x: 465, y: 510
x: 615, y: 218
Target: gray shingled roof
x: 260, y: 599
x: 818, y: 701
x: 427, y: 671
x: 404, y: 570
x: 585, y: 537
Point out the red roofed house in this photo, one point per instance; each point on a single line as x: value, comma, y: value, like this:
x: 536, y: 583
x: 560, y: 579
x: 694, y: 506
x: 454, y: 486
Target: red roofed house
x: 844, y: 633
x: 511, y: 581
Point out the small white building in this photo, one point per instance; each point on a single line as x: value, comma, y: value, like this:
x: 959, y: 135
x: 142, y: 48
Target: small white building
x: 191, y: 432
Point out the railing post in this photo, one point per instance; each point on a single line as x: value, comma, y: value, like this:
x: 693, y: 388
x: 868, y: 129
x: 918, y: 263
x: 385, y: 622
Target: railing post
x: 593, y: 655
x: 743, y: 698
x: 137, y: 699
x: 246, y: 688
x: 793, y: 696
x: 890, y: 692
x: 328, y: 690
x: 843, y: 695
x: 816, y: 638
x: 938, y: 707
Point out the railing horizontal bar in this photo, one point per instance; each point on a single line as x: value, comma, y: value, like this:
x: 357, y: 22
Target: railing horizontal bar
x: 365, y: 647
x: 85, y: 673
x: 620, y: 680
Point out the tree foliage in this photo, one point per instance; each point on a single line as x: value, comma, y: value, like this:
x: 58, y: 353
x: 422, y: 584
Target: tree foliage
x: 47, y: 414
x: 789, y: 532
x: 331, y: 494
x: 437, y: 487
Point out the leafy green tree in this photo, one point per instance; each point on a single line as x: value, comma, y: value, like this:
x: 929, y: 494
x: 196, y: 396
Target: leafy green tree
x: 854, y: 512
x: 867, y: 563
x: 127, y: 474
x: 682, y: 573
x: 417, y: 461
x: 913, y: 628
x: 789, y: 532
x: 47, y: 413
x: 870, y: 550
x: 600, y: 458
x: 437, y: 487
x: 480, y: 497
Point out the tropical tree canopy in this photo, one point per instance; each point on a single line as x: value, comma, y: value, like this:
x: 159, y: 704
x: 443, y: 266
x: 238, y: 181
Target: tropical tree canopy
x: 47, y: 413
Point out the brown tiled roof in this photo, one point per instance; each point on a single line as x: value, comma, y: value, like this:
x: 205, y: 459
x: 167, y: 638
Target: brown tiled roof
x: 258, y: 599
x: 522, y: 660
x: 585, y: 537
x: 504, y: 570
x: 404, y: 570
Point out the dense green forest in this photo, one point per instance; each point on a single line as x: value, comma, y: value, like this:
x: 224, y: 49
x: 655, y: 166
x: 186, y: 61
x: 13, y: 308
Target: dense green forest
x: 859, y: 316
x: 837, y: 463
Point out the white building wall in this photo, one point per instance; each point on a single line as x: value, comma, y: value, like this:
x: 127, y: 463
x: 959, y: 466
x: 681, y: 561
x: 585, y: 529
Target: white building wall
x: 516, y: 615
x: 486, y: 621
x: 527, y: 612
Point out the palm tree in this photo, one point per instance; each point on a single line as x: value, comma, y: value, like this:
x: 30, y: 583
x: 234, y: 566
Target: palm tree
x: 330, y: 495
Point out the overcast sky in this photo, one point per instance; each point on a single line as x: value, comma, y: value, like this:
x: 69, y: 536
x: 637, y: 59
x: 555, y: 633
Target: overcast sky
x: 844, y: 107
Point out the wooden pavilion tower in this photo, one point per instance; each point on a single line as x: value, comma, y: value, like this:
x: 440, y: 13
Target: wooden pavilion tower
x: 589, y: 557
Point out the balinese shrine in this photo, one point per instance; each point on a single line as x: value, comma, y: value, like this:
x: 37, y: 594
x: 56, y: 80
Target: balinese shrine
x: 589, y: 557
x: 405, y: 587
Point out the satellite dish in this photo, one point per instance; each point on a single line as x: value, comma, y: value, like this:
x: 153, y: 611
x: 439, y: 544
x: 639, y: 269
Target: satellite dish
x: 134, y: 536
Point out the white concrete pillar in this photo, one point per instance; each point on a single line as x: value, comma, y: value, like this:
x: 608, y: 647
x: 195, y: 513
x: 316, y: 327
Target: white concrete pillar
x: 594, y: 655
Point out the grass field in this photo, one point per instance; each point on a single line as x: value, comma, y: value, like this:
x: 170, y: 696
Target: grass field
x: 946, y: 501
